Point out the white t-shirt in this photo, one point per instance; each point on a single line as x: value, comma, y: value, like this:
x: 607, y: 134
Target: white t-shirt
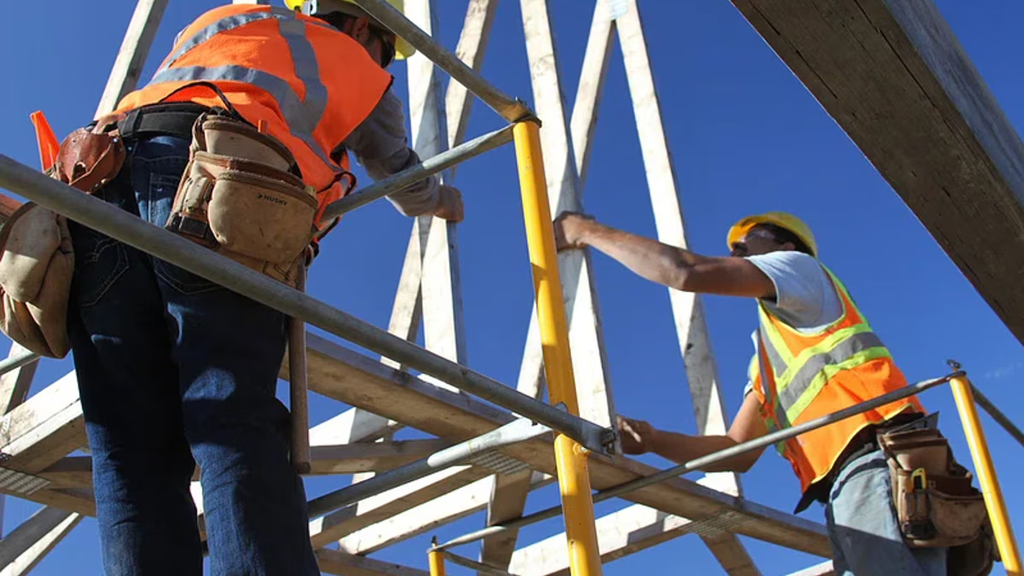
x: 804, y: 296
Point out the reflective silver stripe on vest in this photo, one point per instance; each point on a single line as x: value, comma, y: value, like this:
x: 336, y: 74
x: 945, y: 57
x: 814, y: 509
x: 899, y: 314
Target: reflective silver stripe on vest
x: 222, y: 25
x: 230, y: 23
x: 302, y: 116
x: 769, y: 388
x: 305, y: 120
x: 815, y: 364
x: 774, y: 357
x: 278, y: 88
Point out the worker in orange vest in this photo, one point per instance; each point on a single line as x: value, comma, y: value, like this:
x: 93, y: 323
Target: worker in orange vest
x: 815, y: 354
x: 176, y: 371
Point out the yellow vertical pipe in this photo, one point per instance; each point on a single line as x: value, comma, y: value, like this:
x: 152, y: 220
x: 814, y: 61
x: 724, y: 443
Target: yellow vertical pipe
x: 986, y: 475
x: 436, y: 558
x: 571, y: 460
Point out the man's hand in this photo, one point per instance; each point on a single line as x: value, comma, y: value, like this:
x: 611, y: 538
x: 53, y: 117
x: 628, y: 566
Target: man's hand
x: 637, y: 436
x: 449, y: 204
x: 570, y: 230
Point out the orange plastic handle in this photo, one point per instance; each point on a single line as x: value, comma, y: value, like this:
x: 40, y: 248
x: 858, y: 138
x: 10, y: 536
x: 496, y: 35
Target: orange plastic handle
x: 46, y: 139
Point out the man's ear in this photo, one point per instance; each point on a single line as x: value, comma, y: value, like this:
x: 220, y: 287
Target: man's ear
x: 361, y: 30
x: 789, y: 246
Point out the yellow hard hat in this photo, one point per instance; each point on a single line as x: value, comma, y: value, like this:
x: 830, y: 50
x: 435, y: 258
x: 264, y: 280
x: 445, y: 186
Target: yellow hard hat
x: 402, y: 48
x: 780, y: 219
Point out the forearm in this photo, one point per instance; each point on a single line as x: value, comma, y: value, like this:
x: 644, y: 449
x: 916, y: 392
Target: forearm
x: 382, y: 147
x: 682, y: 448
x: 648, y: 258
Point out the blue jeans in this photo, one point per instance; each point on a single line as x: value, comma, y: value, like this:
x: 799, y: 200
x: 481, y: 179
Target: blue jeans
x: 863, y: 529
x: 175, y: 370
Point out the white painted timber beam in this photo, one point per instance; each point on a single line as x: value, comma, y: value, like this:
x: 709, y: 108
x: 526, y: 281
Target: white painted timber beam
x: 132, y: 55
x: 585, y: 333
x: 29, y: 543
x: 619, y: 534
x: 407, y: 311
x: 823, y: 569
x: 44, y: 429
x: 509, y: 497
x: 334, y: 562
x: 335, y: 525
x: 14, y: 388
x: 687, y: 310
x: 448, y: 508
x: 14, y: 385
x: 346, y: 376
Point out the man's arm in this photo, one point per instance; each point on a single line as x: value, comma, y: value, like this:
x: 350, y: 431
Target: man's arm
x: 639, y: 437
x: 664, y: 264
x: 381, y: 146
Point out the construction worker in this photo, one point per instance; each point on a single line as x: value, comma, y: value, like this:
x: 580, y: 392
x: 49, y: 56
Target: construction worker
x: 815, y: 354
x: 176, y: 371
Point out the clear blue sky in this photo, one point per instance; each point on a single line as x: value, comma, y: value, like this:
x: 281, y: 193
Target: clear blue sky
x: 746, y: 137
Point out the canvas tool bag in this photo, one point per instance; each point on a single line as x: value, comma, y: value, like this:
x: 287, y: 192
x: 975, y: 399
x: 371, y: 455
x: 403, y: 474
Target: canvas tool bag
x: 238, y: 197
x: 36, y: 256
x: 936, y: 504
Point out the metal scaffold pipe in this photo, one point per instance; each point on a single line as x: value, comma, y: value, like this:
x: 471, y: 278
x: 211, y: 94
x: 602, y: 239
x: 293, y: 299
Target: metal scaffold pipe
x: 713, y: 458
x: 118, y: 224
x: 509, y: 108
x: 425, y: 169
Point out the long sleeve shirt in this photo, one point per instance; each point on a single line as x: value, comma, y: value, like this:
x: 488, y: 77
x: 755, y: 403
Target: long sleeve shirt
x: 381, y: 146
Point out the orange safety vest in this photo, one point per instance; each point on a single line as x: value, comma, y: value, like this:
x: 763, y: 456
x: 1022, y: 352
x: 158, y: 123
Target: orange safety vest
x: 812, y: 375
x: 310, y: 83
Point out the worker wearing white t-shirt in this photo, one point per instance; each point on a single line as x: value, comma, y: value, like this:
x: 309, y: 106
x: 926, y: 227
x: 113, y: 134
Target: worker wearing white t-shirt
x: 819, y: 355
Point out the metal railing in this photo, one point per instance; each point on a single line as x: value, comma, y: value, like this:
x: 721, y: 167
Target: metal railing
x: 964, y: 392
x: 576, y: 435
x: 574, y: 432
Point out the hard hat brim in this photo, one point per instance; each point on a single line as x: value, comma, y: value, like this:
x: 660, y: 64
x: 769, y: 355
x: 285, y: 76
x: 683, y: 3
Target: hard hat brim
x: 740, y: 229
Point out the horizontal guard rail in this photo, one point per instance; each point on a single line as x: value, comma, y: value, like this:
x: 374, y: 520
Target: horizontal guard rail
x: 713, y: 458
x: 131, y: 230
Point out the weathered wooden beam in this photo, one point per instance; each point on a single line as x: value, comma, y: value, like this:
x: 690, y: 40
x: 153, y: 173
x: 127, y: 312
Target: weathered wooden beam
x: 415, y: 521
x: 132, y: 55
x: 507, y: 502
x: 331, y: 527
x: 43, y: 429
x: 14, y: 385
x: 334, y: 562
x: 687, y: 310
x: 30, y: 542
x: 349, y: 377
x: 895, y: 78
x: 14, y: 388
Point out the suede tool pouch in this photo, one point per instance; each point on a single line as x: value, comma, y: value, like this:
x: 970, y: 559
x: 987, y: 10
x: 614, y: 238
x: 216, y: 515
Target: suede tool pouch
x: 238, y: 197
x: 36, y: 265
x: 244, y: 207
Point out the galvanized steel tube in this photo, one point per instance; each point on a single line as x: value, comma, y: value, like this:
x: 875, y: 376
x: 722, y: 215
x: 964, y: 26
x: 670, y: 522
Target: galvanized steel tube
x: 117, y: 223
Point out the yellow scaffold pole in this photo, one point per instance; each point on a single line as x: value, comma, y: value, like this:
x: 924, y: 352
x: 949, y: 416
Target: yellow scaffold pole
x: 986, y: 475
x: 570, y: 458
x: 436, y: 560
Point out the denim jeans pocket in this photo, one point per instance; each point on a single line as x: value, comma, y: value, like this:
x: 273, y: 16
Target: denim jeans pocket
x: 182, y: 280
x: 99, y: 262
